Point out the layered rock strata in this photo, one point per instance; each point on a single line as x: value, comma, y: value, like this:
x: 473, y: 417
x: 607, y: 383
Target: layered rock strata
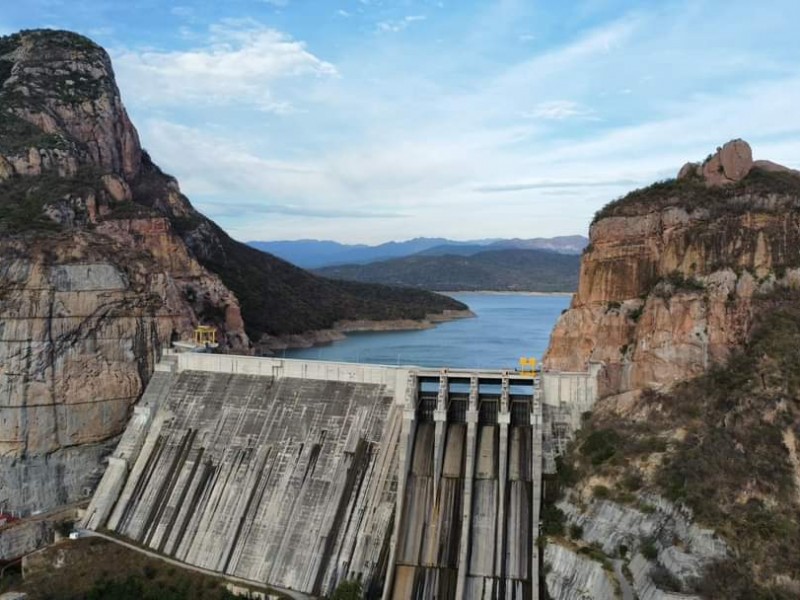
x: 668, y: 278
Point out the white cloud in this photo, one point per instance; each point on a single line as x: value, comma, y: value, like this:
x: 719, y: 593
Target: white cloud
x: 343, y: 13
x: 183, y: 12
x: 399, y: 24
x: 558, y: 110
x: 242, y: 62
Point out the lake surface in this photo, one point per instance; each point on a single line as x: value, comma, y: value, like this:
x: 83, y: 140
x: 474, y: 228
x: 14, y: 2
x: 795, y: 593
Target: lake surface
x: 507, y: 327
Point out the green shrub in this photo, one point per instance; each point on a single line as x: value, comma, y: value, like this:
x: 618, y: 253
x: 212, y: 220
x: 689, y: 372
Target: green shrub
x: 600, y: 445
x: 23, y: 199
x: 18, y: 135
x: 595, y: 552
x: 553, y: 519
x: 636, y: 313
x: 665, y: 580
x: 348, y: 590
x: 649, y: 549
x: 632, y: 481
x: 692, y: 194
x: 681, y: 282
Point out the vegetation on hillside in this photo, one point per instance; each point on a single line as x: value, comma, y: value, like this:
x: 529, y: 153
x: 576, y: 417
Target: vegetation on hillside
x: 692, y: 194
x: 17, y: 135
x: 94, y: 569
x: 23, y: 199
x: 502, y: 270
x: 276, y: 297
x: 719, y: 443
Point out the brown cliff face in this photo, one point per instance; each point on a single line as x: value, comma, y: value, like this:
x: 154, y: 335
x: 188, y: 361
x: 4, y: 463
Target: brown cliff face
x: 92, y: 286
x: 64, y: 86
x: 667, y: 282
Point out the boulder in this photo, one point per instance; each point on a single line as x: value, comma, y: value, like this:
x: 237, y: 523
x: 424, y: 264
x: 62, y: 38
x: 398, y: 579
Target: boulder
x: 730, y: 164
x: 736, y: 158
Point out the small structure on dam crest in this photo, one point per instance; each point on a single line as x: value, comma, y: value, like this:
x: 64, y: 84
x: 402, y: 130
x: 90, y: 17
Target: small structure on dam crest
x: 295, y: 474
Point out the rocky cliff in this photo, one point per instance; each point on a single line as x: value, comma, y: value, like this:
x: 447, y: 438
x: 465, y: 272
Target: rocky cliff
x: 103, y: 261
x: 685, y: 478
x: 667, y: 281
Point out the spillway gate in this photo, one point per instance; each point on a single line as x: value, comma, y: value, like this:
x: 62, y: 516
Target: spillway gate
x: 470, y: 488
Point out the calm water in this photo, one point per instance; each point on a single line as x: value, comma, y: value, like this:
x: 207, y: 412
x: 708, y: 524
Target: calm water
x: 507, y: 326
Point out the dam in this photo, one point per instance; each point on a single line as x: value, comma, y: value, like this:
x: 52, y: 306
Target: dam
x: 421, y: 484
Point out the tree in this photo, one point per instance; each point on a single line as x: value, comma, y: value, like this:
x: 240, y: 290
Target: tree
x: 348, y: 590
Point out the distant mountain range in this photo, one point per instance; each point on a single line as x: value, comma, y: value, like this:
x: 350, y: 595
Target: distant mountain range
x: 312, y: 254
x: 507, y: 269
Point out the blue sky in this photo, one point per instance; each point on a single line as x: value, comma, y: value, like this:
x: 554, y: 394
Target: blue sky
x: 372, y: 120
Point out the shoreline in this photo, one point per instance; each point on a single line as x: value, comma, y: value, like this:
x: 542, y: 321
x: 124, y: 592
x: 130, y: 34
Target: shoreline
x: 502, y: 293
x: 324, y: 337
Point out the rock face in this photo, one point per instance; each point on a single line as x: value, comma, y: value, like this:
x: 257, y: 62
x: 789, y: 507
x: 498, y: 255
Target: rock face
x: 103, y: 262
x: 682, y: 548
x: 84, y: 311
x: 667, y: 282
x: 83, y: 323
x: 571, y: 576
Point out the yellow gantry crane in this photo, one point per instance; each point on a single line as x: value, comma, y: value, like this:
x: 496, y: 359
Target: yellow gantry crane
x: 204, y: 339
x: 527, y: 366
x: 205, y: 336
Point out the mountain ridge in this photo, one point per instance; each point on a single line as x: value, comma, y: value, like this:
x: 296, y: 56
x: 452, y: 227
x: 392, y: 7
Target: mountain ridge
x: 493, y: 269
x: 314, y: 254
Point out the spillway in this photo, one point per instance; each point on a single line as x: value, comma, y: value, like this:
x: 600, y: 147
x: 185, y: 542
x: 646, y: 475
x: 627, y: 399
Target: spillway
x: 421, y: 484
x: 469, y: 504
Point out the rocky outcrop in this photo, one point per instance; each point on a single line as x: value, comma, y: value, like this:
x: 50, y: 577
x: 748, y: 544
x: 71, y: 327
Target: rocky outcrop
x: 571, y: 576
x: 683, y: 548
x: 679, y: 277
x: 729, y: 165
x: 24, y: 537
x: 668, y: 279
x: 64, y: 86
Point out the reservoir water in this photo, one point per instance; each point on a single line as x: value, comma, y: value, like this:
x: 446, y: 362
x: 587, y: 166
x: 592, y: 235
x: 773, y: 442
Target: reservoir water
x: 507, y: 327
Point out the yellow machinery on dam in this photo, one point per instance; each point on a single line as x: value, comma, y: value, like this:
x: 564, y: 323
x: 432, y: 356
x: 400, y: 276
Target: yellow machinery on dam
x: 421, y: 484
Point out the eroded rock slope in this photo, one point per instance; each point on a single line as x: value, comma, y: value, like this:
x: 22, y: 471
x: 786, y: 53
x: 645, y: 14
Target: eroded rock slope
x: 683, y: 482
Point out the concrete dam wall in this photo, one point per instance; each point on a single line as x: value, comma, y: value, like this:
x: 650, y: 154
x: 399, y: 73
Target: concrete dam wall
x: 301, y: 474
